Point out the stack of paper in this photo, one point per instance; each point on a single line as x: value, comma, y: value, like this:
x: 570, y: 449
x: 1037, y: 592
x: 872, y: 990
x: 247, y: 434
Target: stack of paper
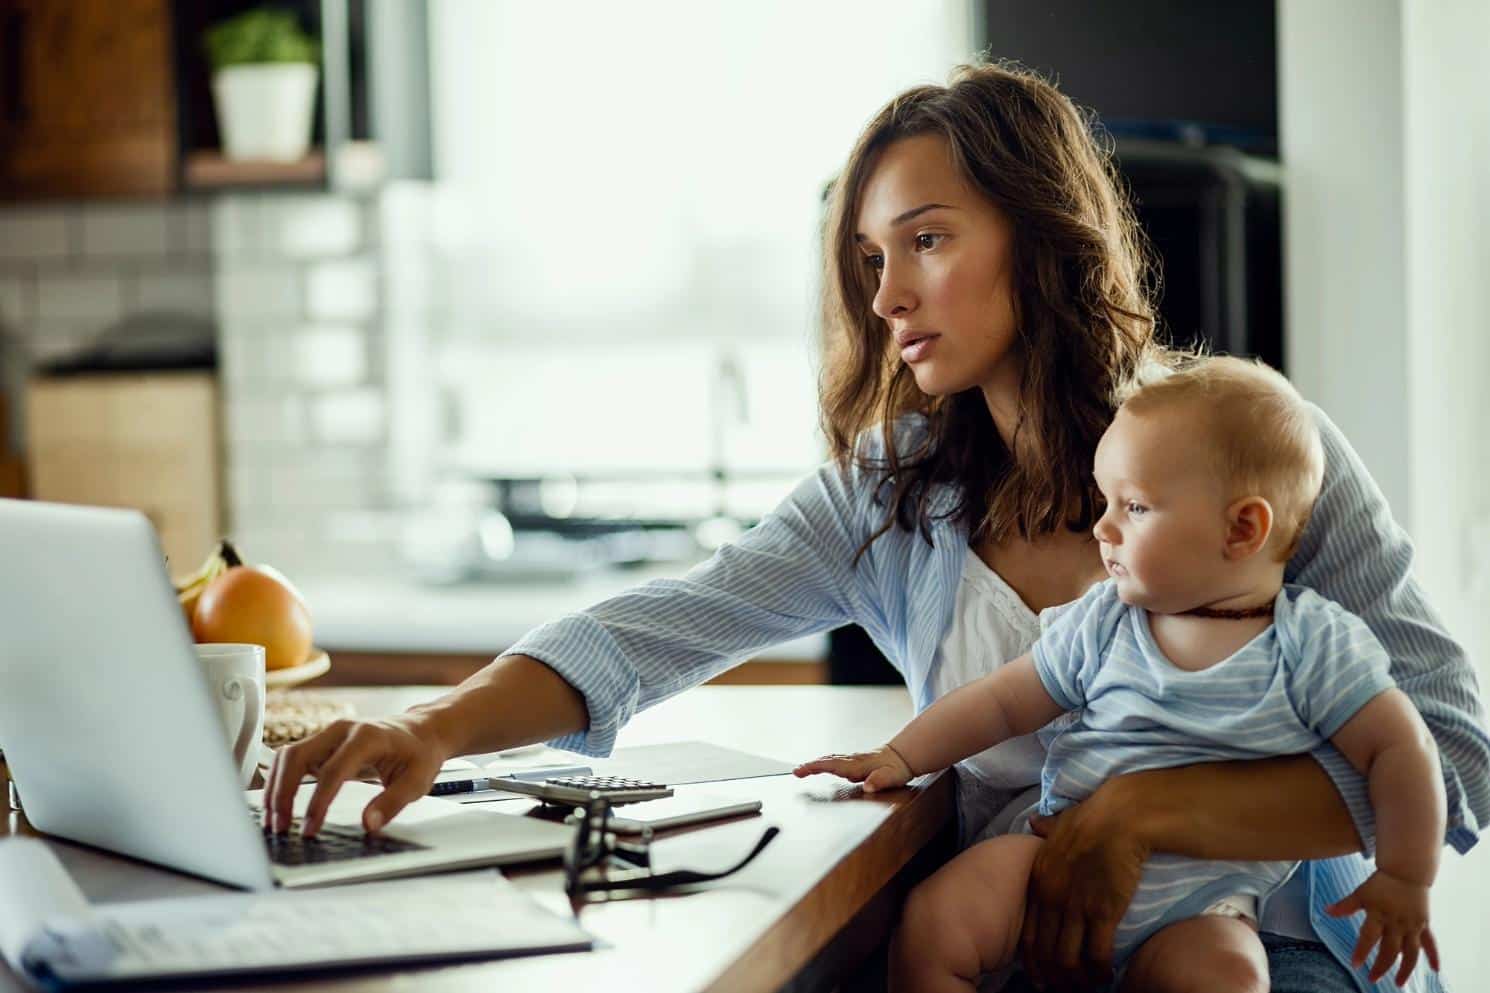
x: 51, y: 935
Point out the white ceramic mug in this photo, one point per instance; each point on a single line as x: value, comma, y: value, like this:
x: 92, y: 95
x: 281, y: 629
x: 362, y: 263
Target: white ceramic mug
x: 235, y: 675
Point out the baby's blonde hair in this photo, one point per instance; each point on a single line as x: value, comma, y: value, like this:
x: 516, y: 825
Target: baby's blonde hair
x: 1265, y: 439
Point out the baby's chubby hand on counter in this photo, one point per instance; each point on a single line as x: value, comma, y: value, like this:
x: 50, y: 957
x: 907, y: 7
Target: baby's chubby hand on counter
x: 881, y: 769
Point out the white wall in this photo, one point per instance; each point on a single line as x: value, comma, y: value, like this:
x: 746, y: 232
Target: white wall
x: 1385, y: 133
x: 1340, y: 122
x: 1447, y: 84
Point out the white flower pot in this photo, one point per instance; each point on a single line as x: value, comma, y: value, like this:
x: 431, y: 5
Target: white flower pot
x: 264, y: 111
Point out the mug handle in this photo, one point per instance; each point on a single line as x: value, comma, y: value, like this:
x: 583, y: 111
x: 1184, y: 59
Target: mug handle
x: 244, y: 753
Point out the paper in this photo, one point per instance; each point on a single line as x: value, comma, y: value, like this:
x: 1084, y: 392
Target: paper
x: 677, y: 763
x: 34, y: 889
x: 682, y: 762
x: 46, y: 923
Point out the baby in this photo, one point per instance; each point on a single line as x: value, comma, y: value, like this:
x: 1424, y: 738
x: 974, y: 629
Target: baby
x: 1193, y: 650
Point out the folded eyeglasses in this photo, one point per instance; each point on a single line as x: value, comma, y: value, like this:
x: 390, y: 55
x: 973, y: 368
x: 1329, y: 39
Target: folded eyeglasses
x: 596, y: 860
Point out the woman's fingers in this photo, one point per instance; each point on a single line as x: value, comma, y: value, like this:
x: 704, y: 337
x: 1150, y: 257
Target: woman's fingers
x: 1045, y: 944
x: 356, y: 751
x: 1029, y: 940
x: 403, y: 789
x: 1101, y: 933
x: 291, y: 764
x: 1069, y: 945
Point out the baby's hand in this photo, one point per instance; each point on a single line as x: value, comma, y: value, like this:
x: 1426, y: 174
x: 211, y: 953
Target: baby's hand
x: 881, y: 769
x: 1396, y: 917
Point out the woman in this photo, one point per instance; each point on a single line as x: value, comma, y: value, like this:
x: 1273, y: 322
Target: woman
x: 986, y: 302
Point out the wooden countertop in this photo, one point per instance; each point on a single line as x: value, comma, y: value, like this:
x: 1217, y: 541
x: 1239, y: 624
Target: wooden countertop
x: 799, y: 917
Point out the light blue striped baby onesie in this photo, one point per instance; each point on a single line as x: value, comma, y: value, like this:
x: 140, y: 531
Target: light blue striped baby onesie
x: 1292, y: 686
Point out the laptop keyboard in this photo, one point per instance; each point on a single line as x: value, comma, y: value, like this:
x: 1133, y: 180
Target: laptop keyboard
x: 333, y: 843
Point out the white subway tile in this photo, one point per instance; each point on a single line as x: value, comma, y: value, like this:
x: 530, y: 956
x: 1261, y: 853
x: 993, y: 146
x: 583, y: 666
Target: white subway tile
x: 324, y: 480
x: 265, y: 420
x: 68, y: 297
x: 354, y: 417
x: 263, y: 534
x: 115, y: 230
x: 17, y: 300
x: 194, y: 231
x: 256, y: 292
x: 236, y: 228
x: 329, y: 356
x: 246, y: 487
x: 345, y: 290
x: 57, y: 340
x: 250, y: 355
x: 34, y: 233
x: 311, y: 227
x: 184, y: 290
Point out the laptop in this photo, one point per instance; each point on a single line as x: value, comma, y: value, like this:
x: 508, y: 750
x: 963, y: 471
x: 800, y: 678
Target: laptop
x: 112, y: 738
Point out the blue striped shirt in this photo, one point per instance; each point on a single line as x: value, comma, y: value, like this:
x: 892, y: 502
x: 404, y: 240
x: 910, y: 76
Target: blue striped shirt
x: 794, y: 575
x: 1282, y: 693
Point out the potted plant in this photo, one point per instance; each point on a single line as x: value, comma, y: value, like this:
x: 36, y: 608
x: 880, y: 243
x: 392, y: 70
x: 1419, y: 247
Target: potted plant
x: 263, y: 84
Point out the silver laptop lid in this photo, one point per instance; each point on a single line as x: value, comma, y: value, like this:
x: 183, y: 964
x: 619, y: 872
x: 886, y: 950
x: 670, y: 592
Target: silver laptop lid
x: 106, y: 719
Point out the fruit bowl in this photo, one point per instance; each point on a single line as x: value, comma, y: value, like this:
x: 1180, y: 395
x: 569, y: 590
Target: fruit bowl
x: 317, y: 664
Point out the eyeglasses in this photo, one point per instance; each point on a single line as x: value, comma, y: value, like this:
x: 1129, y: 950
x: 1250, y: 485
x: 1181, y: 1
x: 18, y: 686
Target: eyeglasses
x: 591, y: 859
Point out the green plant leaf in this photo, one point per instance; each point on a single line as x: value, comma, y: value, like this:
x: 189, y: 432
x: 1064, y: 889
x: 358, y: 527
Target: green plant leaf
x: 265, y: 34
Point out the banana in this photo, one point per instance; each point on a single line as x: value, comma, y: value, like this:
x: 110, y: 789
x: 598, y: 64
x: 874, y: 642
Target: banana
x: 189, y: 588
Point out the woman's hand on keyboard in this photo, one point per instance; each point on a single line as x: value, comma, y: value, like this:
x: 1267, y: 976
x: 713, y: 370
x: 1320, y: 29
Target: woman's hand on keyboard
x: 404, y: 760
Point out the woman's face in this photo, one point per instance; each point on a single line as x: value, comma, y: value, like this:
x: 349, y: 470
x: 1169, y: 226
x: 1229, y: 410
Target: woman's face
x: 944, y: 258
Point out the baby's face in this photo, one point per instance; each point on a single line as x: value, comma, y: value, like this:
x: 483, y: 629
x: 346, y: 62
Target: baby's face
x: 1164, y: 529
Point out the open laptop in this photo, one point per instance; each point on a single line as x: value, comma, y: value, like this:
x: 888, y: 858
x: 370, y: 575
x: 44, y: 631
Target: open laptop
x: 113, y: 740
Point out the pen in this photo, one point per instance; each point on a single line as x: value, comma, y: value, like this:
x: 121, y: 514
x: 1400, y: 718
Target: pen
x: 483, y: 783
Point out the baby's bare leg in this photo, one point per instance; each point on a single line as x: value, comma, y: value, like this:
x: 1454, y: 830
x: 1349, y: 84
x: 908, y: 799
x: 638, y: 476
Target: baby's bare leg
x: 1200, y: 955
x: 965, y: 919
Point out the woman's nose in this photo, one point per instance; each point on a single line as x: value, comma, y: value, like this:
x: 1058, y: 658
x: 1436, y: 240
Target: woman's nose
x: 893, y: 298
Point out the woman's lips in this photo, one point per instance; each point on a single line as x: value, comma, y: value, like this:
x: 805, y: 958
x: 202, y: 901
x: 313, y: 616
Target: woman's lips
x: 915, y: 351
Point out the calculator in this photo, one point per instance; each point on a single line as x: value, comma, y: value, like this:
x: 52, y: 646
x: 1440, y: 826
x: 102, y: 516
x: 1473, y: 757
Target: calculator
x: 577, y: 789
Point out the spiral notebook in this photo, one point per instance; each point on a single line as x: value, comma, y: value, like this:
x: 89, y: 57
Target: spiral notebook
x: 52, y: 937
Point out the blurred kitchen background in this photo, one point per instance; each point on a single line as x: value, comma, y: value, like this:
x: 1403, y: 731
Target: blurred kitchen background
x: 532, y: 314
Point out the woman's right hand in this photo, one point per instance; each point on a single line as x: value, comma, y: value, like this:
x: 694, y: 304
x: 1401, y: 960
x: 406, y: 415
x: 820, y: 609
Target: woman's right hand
x: 400, y: 750
x: 881, y: 769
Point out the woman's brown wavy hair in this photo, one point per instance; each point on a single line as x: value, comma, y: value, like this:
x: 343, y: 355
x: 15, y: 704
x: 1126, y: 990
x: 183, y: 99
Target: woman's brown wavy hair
x: 1085, y: 324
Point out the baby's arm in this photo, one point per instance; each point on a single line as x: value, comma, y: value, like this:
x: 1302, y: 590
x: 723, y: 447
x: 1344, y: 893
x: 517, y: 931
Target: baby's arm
x: 1390, y: 745
x: 1009, y: 701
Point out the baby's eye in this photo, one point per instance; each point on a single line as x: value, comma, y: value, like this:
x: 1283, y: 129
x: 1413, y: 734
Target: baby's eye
x: 1136, y: 509
x: 927, y: 240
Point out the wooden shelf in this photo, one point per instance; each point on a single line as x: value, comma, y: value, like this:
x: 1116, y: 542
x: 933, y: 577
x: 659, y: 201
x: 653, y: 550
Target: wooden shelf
x: 211, y: 171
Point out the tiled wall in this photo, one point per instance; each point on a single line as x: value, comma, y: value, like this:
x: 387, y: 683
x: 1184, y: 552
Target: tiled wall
x: 299, y: 307
x: 67, y: 272
x: 293, y: 284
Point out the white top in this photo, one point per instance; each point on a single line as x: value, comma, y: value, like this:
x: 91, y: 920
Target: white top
x: 991, y: 625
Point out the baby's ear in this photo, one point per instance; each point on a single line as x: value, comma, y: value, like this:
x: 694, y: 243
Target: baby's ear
x: 1249, y: 524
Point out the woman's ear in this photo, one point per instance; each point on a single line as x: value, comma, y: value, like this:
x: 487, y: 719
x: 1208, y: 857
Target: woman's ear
x: 1249, y: 524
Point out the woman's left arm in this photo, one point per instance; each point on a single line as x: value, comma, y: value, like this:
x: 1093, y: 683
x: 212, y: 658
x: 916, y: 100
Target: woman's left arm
x: 1298, y: 807
x: 1354, y: 553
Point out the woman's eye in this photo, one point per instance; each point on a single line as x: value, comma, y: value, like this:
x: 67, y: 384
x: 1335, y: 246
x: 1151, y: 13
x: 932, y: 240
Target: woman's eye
x: 927, y: 241
x: 875, y: 262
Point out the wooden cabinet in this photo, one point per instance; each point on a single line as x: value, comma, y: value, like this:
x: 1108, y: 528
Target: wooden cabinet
x: 142, y: 440
x: 87, y: 98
